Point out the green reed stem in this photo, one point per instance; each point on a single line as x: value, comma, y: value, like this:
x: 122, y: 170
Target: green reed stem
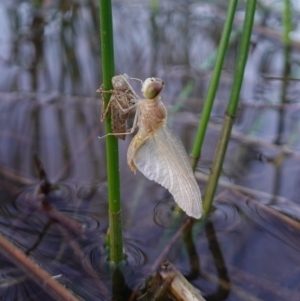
x: 213, y: 86
x: 287, y: 18
x: 114, y: 199
x: 231, y: 107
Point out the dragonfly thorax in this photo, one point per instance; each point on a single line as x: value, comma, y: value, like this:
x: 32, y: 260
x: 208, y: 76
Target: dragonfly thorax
x: 153, y: 115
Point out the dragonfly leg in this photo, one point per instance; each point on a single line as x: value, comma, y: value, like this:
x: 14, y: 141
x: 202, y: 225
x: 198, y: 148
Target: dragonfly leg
x: 100, y: 90
x: 134, y: 93
x: 135, y: 123
x: 127, y: 109
x: 104, y: 114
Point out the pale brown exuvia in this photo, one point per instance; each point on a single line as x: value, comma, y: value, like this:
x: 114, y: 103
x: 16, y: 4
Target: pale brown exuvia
x: 122, y: 96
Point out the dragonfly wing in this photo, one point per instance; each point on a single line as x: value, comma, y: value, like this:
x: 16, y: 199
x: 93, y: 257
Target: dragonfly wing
x: 162, y: 158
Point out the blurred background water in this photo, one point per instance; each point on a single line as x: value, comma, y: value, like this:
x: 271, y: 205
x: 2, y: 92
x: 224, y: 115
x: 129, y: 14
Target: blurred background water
x: 50, y: 69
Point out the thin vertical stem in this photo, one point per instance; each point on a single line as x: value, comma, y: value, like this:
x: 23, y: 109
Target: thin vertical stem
x: 114, y: 199
x: 213, y: 86
x: 231, y: 107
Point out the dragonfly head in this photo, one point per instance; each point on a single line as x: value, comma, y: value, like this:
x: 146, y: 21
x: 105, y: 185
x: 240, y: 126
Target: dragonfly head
x: 152, y: 87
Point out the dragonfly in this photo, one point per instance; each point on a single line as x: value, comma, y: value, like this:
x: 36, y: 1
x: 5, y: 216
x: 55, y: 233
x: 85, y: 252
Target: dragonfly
x: 157, y: 152
x: 122, y: 98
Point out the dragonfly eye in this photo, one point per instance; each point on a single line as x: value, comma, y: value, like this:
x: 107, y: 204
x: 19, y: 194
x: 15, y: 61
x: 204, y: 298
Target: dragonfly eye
x: 152, y: 87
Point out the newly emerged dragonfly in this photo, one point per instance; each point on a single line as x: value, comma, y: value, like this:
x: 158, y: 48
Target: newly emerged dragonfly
x: 159, y: 154
x: 156, y: 151
x: 121, y: 99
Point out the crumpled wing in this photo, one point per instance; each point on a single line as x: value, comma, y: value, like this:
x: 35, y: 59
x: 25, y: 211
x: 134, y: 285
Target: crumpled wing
x: 162, y: 158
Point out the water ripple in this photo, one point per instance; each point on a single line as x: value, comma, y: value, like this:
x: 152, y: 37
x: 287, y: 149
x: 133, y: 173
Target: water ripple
x: 134, y: 255
x: 164, y: 212
x: 60, y: 196
x: 91, y: 191
x: 226, y: 216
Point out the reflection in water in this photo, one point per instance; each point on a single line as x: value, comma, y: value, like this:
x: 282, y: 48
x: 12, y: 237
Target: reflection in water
x: 244, y: 233
x: 261, y: 246
x: 52, y: 241
x: 222, y: 291
x: 190, y: 246
x: 243, y: 252
x: 48, y: 237
x: 163, y: 212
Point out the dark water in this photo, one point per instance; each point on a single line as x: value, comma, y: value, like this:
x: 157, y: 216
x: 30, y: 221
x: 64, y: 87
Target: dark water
x: 49, y: 71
